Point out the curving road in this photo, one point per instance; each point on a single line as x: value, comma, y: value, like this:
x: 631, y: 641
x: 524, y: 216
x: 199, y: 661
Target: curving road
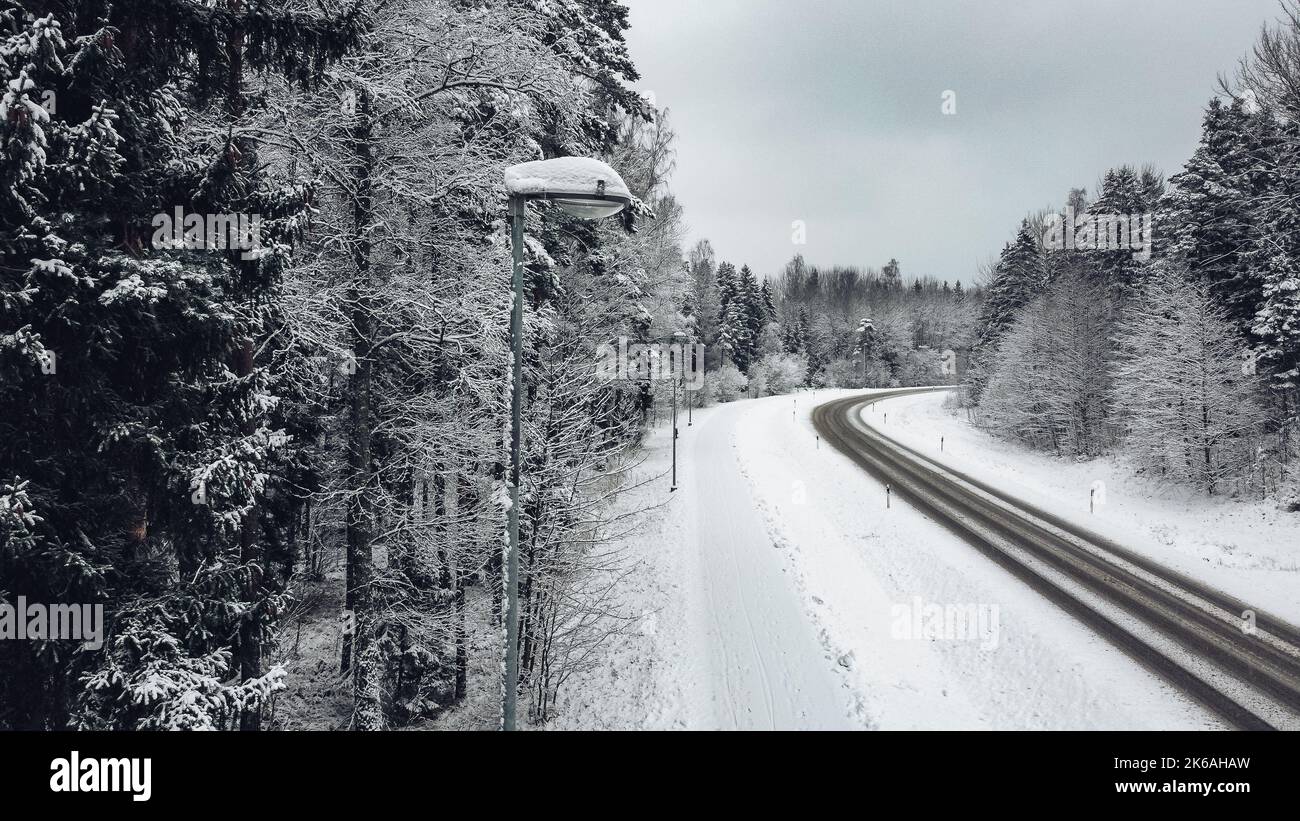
x: 1194, y: 636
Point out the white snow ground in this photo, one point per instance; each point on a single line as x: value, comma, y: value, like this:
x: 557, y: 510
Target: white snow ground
x: 775, y: 588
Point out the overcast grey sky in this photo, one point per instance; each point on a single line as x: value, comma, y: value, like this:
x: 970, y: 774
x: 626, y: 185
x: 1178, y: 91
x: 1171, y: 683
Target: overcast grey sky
x: 829, y: 111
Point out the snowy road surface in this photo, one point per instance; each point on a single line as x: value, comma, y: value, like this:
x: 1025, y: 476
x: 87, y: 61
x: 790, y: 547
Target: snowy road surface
x: 767, y: 592
x: 768, y: 669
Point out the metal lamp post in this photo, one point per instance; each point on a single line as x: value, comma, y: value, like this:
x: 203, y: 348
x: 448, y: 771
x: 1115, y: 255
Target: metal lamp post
x: 587, y: 189
x: 690, y: 400
x: 684, y: 350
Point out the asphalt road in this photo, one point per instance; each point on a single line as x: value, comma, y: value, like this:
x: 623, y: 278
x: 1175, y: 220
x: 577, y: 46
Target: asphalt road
x: 1190, y: 634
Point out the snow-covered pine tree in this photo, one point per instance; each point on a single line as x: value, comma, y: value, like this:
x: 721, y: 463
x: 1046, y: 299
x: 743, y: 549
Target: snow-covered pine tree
x: 1207, y: 217
x: 728, y: 287
x: 795, y: 333
x: 588, y: 37
x: 1125, y: 193
x: 1275, y: 261
x: 734, y: 336
x: 146, y: 444
x: 765, y: 297
x: 751, y: 300
x: 1269, y: 83
x: 1018, y: 277
x: 704, y: 298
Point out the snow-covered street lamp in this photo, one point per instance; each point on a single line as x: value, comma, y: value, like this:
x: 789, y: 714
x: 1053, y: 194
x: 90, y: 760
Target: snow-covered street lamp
x: 587, y: 189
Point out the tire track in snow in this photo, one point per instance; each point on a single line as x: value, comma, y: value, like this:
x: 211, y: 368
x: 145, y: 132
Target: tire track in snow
x: 765, y: 654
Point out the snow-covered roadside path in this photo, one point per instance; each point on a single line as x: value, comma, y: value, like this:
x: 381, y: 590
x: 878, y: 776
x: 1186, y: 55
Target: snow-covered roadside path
x: 768, y: 669
x: 722, y: 641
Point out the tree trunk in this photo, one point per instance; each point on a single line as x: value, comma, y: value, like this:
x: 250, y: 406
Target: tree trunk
x: 362, y: 481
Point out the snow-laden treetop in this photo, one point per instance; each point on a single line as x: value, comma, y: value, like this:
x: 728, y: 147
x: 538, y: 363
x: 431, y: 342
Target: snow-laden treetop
x: 565, y: 175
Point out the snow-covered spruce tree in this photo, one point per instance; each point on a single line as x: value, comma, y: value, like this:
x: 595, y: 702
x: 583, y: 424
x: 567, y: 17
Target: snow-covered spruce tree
x: 756, y: 311
x: 733, y: 335
x: 129, y: 387
x: 1123, y: 193
x: 1191, y: 415
x: 705, y: 301
x: 727, y: 287
x: 1019, y: 275
x: 1276, y: 263
x: 768, y: 301
x: 1269, y: 80
x: 1208, y: 215
x: 794, y: 337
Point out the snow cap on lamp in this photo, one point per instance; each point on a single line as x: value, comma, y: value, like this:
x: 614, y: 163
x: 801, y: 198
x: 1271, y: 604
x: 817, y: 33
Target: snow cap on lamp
x: 583, y: 187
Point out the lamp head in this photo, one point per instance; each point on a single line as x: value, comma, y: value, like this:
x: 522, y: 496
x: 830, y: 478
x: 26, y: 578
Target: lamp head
x: 581, y: 186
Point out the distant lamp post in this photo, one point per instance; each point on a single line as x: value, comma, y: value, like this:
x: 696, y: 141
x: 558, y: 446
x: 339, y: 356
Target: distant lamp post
x: 683, y: 350
x: 690, y: 400
x: 587, y: 189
